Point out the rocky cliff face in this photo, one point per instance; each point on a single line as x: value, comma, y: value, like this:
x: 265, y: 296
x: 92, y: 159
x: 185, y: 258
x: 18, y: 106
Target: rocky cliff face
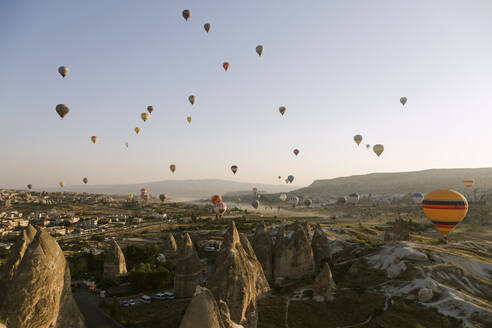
x: 262, y: 244
x: 238, y: 278
x: 321, y: 248
x: 188, y: 269
x: 35, y: 285
x: 114, y: 262
x: 293, y: 257
x: 170, y: 245
x: 323, y: 285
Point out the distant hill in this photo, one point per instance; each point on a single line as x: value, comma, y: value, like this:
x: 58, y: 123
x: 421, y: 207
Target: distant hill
x: 184, y: 189
x: 398, y: 183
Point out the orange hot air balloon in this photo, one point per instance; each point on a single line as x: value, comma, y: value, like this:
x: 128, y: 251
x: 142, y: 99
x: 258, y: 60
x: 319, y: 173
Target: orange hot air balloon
x: 226, y: 66
x: 94, y: 139
x: 468, y: 183
x: 216, y: 199
x: 189, y: 119
x: 144, y: 116
x: 150, y: 109
x: 137, y: 130
x: 445, y: 208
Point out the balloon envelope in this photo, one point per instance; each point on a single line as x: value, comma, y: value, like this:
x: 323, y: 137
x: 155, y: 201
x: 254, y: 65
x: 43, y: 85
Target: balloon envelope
x: 293, y: 199
x: 255, y: 203
x: 403, y: 100
x: 352, y: 198
x: 94, y: 139
x: 283, y: 197
x: 192, y: 99
x: 186, y: 14
x: 445, y: 208
x: 378, y: 149
x: 137, y: 130
x: 188, y: 119
x: 85, y: 180
x: 29, y: 186
x: 468, y: 182
x: 126, y: 144
x: 220, y: 208
x: 61, y: 184
x: 150, y: 109
x: 207, y: 27
x: 144, y: 116
x: 290, y: 178
x: 226, y: 66
x: 216, y: 199
x: 63, y: 70
x: 259, y: 50
x: 282, y: 110
x: 255, y: 190
x: 234, y: 169
x: 62, y: 110
x: 418, y: 197
x: 358, y: 139
x: 296, y: 151
x: 172, y: 167
x: 162, y: 197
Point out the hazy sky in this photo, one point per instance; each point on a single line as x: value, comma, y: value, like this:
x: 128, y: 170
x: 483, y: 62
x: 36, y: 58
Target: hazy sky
x: 340, y: 68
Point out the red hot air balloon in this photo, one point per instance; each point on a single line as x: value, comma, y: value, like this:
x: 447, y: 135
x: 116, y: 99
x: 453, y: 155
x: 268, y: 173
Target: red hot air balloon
x: 216, y: 199
x: 220, y: 208
x: 226, y: 66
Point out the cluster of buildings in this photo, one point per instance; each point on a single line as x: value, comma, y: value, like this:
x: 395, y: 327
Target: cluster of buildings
x: 10, y: 197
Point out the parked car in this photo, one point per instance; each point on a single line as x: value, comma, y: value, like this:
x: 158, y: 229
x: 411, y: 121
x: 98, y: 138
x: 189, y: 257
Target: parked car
x: 145, y: 299
x: 131, y: 302
x: 169, y: 295
x: 125, y: 304
x: 159, y: 296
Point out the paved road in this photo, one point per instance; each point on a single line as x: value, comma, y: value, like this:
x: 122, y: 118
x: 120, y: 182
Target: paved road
x: 94, y: 316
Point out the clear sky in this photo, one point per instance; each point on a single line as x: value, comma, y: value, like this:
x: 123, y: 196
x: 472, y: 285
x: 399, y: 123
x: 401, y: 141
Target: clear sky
x: 340, y: 68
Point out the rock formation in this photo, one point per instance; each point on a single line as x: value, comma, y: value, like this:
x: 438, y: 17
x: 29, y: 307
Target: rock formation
x: 188, y: 269
x: 238, y: 278
x: 170, y: 245
x: 114, y: 262
x: 263, y: 246
x: 321, y: 248
x: 323, y: 285
x: 35, y: 284
x: 400, y: 231
x: 293, y: 257
x: 204, y: 312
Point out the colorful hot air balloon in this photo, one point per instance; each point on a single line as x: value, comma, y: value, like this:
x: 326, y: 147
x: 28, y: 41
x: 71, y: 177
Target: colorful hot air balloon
x: 234, y: 169
x: 137, y: 130
x: 207, y: 27
x: 85, y: 180
x: 63, y: 70
x: 358, y: 139
x: 172, y: 167
x: 62, y: 110
x: 61, y: 183
x: 225, y: 65
x: 255, y: 190
x: 417, y: 197
x: 255, y: 203
x: 29, y: 186
x: 403, y: 100
x: 162, y: 197
x: 144, y: 116
x: 192, y: 99
x: 130, y: 197
x: 378, y: 149
x: 126, y: 144
x: 296, y: 151
x: 150, y: 109
x: 293, y: 199
x: 259, y: 50
x: 216, y: 199
x: 445, y: 208
x: 468, y: 182
x: 220, y: 208
x: 94, y: 139
x: 352, y: 198
x: 282, y: 110
x: 283, y: 197
x: 186, y: 14
x: 308, y: 202
x: 189, y: 119
x: 290, y: 178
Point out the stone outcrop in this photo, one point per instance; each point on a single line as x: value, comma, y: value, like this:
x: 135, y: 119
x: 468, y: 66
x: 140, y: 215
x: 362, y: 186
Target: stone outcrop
x: 321, y: 248
x: 293, y: 257
x: 114, y: 262
x: 204, y: 312
x: 35, y: 285
x: 262, y: 244
x: 400, y: 231
x: 188, y: 269
x: 238, y: 278
x: 323, y: 285
x: 170, y: 246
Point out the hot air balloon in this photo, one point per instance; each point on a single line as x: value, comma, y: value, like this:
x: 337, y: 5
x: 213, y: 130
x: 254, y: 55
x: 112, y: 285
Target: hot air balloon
x: 234, y: 169
x: 290, y: 178
x: 137, y: 130
x: 207, y: 27
x: 378, y: 149
x: 308, y: 202
x: 94, y: 139
x: 150, y: 109
x: 259, y: 50
x: 368, y: 146
x: 282, y: 110
x: 286, y: 180
x: 162, y: 197
x: 172, y: 167
x: 85, y: 180
x: 192, y: 99
x: 352, y: 198
x: 358, y: 139
x: 220, y: 208
x: 144, y: 116
x: 468, y: 182
x: 63, y: 70
x: 186, y: 14
x: 283, y: 197
x: 445, y: 208
x: 255, y: 203
x: 61, y: 183
x: 29, y: 186
x: 296, y: 151
x: 255, y: 190
x: 293, y: 199
x: 189, y: 119
x: 226, y: 66
x: 403, y: 100
x: 279, y: 177
x: 126, y: 144
x: 62, y: 110
x: 146, y: 197
x: 417, y: 197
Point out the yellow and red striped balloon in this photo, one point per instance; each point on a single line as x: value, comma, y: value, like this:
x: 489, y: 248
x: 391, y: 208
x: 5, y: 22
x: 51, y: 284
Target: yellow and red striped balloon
x: 445, y: 208
x: 468, y: 182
